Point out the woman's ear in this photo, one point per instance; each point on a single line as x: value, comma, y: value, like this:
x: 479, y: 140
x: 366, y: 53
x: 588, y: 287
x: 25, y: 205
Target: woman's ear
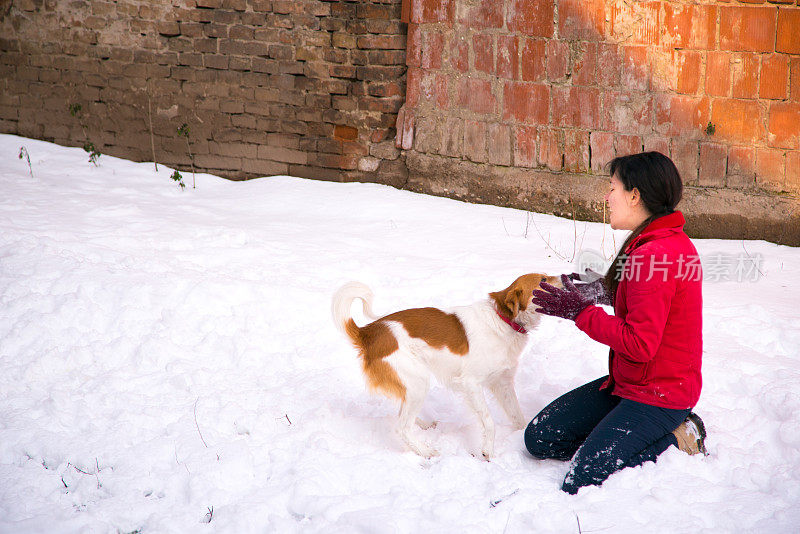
x: 635, y: 197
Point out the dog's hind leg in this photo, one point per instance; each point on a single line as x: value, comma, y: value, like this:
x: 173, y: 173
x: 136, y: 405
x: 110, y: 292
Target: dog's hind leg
x: 417, y: 381
x: 502, y: 387
x: 415, y: 396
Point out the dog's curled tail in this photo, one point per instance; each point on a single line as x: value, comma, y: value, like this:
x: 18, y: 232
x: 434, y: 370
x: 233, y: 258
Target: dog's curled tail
x: 343, y: 301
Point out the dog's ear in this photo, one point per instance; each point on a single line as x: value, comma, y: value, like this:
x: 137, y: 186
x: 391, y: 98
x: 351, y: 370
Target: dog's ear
x: 511, y: 300
x: 515, y: 301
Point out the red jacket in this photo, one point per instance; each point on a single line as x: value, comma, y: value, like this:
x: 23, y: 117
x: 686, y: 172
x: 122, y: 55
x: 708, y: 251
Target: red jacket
x: 656, y: 334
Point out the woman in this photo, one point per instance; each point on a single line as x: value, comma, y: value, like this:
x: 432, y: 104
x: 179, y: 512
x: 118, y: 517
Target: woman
x: 644, y: 405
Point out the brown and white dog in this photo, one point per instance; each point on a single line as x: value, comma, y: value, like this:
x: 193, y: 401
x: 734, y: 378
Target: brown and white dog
x: 466, y: 348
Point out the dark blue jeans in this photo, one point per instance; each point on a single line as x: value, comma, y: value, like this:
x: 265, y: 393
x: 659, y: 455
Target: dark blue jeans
x: 601, y: 433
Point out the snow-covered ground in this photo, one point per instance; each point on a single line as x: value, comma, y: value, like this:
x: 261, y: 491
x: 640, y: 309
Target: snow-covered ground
x: 168, y: 363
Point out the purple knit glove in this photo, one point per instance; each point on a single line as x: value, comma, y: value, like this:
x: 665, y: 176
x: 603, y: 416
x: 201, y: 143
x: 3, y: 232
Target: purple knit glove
x: 564, y: 303
x: 594, y: 290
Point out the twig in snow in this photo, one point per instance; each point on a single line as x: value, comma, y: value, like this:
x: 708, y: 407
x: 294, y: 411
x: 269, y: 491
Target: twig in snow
x: 504, y: 227
x: 546, y: 241
x: 492, y: 504
x: 209, y: 515
x: 749, y: 256
x: 198, y: 426
x: 527, y: 223
x: 575, y: 229
x: 23, y: 153
x: 96, y: 473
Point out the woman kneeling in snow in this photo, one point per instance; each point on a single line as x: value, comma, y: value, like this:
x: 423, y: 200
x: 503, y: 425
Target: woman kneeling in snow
x: 644, y: 405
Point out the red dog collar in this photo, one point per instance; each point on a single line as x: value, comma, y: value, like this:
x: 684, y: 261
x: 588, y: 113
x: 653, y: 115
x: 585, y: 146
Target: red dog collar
x: 516, y: 326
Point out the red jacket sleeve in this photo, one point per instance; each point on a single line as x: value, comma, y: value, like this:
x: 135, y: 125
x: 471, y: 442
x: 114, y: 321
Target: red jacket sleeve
x: 636, y: 333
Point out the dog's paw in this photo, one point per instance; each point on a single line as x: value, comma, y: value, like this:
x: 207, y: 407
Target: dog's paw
x: 426, y: 425
x: 426, y: 451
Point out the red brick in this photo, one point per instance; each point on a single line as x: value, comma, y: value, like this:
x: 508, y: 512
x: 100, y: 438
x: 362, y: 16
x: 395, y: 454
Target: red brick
x: 485, y: 15
x: 476, y: 95
x: 550, y: 154
x: 794, y: 79
x: 739, y: 121
x: 459, y: 53
x: 793, y: 171
x: 630, y: 112
x: 581, y: 19
x: 741, y: 163
x: 498, y: 137
x: 584, y: 64
x: 345, y: 133
x: 788, y: 31
x: 453, y: 137
x: 441, y: 91
x: 507, y: 57
x: 483, y: 52
x: 413, y: 86
x: 534, y: 18
x: 526, y: 102
x: 774, y: 77
x: 432, y: 11
x: 684, y: 155
x: 414, y: 46
x: 688, y: 66
x: 525, y: 146
x: 744, y: 75
x: 678, y: 115
x: 432, y: 50
x: 713, y: 164
x: 475, y: 141
x: 609, y: 64
x: 557, y: 60
x: 635, y: 68
x: 689, y: 26
x: 718, y: 74
x: 576, y: 150
x: 655, y: 143
x: 576, y: 106
x: 602, y: 145
x: 628, y: 144
x: 636, y: 23
x: 771, y: 168
x: 784, y: 125
x: 750, y: 29
x: 532, y: 63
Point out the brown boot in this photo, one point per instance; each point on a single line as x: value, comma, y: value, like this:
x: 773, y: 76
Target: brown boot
x: 691, y: 435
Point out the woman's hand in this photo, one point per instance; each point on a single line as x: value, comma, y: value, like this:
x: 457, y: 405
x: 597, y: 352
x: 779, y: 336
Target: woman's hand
x: 594, y: 290
x: 565, y: 303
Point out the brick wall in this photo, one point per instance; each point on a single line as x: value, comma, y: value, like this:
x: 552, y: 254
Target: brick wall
x: 558, y: 88
x: 300, y: 87
x: 512, y: 102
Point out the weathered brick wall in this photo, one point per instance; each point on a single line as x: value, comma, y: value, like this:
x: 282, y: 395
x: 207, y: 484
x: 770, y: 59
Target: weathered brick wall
x: 514, y: 102
x: 523, y: 102
x: 301, y: 87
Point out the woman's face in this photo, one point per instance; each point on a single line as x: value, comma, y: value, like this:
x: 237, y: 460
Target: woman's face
x: 625, y: 208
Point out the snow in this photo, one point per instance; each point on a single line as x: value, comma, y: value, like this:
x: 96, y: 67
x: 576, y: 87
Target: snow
x: 168, y: 363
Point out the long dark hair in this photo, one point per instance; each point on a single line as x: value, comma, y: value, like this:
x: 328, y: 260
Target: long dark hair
x: 660, y: 187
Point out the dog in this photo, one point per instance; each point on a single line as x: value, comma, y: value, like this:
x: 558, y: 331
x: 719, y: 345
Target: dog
x: 466, y: 348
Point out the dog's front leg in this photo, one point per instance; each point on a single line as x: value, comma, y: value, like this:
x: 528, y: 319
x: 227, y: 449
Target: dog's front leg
x: 473, y: 393
x: 502, y: 387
